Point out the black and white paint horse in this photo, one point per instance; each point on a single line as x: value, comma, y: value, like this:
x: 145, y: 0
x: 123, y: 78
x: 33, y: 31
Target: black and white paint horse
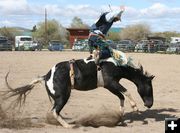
x: 59, y: 84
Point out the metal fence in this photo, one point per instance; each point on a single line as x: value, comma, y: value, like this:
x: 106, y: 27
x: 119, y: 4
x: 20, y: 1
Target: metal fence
x: 150, y: 48
x: 171, y: 49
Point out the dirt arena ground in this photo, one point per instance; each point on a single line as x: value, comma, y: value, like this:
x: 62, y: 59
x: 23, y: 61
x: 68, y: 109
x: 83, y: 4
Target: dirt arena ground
x: 25, y: 66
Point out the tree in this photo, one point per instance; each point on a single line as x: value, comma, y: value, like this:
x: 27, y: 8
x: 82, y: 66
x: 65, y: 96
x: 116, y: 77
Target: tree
x: 55, y: 31
x: 135, y: 32
x: 167, y: 35
x: 34, y: 28
x: 113, y: 36
x: 78, y: 23
x: 10, y: 33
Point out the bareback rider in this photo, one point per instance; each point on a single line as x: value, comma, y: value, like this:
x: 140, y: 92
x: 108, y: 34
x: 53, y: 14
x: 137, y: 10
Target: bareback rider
x: 99, y: 48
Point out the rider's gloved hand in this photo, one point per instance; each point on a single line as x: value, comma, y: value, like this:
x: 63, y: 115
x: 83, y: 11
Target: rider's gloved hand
x: 90, y: 57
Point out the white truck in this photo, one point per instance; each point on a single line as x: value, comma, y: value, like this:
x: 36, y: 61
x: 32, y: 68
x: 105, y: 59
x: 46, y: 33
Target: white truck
x: 23, y: 43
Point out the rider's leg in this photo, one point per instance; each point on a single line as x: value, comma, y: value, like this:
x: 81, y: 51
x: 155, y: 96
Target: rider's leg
x: 90, y: 43
x: 96, y: 56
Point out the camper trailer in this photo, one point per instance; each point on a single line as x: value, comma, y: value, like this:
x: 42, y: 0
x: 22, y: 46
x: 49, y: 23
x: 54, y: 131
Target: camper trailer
x: 175, y: 39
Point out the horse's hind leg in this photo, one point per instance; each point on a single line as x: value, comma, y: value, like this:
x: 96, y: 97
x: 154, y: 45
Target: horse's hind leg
x: 59, y: 104
x: 60, y: 96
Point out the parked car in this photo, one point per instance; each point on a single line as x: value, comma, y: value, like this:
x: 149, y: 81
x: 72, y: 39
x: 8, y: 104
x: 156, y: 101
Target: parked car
x: 5, y: 44
x: 141, y: 46
x: 159, y: 45
x: 125, y: 45
x: 55, y: 45
x: 173, y: 48
x: 80, y: 45
x: 151, y: 46
x: 36, y: 46
x: 156, y: 45
x: 111, y: 43
x: 77, y: 47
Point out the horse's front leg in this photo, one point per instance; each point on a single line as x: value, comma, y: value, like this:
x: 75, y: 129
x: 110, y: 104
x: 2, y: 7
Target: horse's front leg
x: 131, y: 101
x: 130, y: 98
x: 112, y: 87
x: 119, y: 91
x: 121, y: 108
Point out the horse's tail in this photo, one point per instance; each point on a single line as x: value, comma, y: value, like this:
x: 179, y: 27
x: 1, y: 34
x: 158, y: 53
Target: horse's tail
x: 20, y: 92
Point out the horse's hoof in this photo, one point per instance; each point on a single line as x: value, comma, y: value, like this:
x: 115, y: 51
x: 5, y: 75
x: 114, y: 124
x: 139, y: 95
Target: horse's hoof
x: 135, y: 109
x: 69, y: 126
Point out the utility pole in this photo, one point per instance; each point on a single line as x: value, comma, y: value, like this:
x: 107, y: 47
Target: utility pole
x: 46, y: 35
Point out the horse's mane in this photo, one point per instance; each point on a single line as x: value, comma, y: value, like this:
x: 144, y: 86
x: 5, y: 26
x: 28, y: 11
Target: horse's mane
x: 139, y: 70
x: 134, y: 69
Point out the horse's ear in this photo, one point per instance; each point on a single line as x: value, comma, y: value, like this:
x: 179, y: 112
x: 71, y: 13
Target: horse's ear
x: 141, y: 68
x: 152, y: 77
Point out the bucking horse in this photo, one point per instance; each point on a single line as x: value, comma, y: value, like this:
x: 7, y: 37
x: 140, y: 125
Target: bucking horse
x: 82, y: 74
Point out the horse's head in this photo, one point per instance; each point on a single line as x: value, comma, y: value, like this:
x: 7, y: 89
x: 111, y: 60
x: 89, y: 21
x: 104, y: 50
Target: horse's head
x: 145, y: 89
